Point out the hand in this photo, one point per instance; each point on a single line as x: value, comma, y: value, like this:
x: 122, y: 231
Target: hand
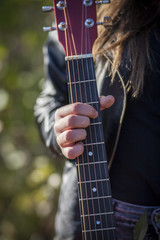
x: 70, y: 123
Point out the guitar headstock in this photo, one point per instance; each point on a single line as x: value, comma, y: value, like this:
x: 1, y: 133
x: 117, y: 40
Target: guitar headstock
x: 76, y: 25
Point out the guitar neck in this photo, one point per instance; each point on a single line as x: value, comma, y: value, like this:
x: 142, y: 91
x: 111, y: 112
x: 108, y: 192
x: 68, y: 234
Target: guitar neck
x: 93, y: 178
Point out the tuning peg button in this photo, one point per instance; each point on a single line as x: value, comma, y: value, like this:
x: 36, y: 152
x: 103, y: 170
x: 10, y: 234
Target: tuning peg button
x: 47, y: 8
x: 107, y: 22
x: 49, y: 29
x: 102, y: 2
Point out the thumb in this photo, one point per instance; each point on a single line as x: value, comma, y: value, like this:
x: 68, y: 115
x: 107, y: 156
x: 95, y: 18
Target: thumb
x: 106, y: 101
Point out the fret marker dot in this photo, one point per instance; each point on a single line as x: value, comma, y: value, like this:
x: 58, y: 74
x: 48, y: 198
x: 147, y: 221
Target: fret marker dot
x: 98, y: 222
x: 90, y: 154
x: 94, y: 189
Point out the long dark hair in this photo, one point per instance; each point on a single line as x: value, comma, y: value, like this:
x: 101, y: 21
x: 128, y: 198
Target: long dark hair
x: 132, y: 20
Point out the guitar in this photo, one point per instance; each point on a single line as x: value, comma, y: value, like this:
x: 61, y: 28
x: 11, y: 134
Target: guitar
x: 77, y: 31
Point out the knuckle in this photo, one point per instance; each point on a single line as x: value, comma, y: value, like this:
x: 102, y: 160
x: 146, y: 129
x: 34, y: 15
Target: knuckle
x: 57, y: 113
x: 58, y: 140
x: 74, y: 151
x: 84, y: 133
x: 68, y: 136
x: 92, y: 110
x: 71, y: 120
x: 86, y: 122
x: 71, y: 153
x: 64, y: 152
x: 76, y: 107
x: 55, y: 128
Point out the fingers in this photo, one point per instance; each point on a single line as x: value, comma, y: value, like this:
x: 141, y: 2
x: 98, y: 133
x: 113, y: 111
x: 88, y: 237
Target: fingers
x: 106, y: 101
x: 70, y: 123
x: 73, y: 151
x: 76, y: 109
x: 71, y: 136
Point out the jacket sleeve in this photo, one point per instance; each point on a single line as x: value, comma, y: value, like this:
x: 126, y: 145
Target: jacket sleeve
x: 53, y: 94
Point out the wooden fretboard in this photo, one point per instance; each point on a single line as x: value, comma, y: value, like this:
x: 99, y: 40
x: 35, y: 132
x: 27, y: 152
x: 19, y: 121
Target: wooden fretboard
x: 95, y: 199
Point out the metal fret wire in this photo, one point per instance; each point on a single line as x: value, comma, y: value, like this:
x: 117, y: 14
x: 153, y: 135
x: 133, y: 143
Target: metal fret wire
x: 69, y: 24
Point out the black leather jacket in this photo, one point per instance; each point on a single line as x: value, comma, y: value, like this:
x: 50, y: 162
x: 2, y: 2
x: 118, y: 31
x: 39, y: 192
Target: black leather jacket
x: 53, y: 96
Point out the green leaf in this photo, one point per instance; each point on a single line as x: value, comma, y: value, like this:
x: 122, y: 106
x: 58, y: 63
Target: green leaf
x: 141, y: 227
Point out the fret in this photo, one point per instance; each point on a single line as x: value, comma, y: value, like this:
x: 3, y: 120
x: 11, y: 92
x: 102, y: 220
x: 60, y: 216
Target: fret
x: 97, y: 206
x: 103, y: 234
x: 96, y: 123
x: 98, y: 214
x: 98, y: 180
x: 80, y: 69
x: 97, y: 120
x: 101, y: 229
x: 93, y: 153
x: 94, y: 198
x: 90, y: 163
x: 90, y: 103
x: 92, y: 172
x: 93, y: 189
x: 96, y: 222
x: 82, y: 91
x: 83, y: 81
x: 89, y: 144
x: 94, y: 135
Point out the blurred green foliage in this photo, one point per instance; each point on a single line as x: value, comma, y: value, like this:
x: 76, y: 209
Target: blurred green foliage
x: 29, y: 176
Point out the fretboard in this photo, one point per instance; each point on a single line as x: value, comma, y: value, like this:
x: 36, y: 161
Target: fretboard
x: 95, y: 199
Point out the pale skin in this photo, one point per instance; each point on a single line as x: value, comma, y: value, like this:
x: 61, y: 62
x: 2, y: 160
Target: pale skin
x: 70, y: 124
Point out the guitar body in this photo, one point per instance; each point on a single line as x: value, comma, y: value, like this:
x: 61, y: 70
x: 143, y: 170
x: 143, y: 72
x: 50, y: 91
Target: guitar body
x: 77, y: 31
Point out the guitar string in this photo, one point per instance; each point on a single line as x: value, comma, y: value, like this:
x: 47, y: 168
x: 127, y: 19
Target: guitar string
x: 88, y: 47
x: 81, y: 99
x: 73, y: 68
x: 102, y: 140
x: 103, y: 152
x: 87, y: 151
x: 90, y: 132
x: 94, y: 167
x: 106, y: 173
x: 106, y: 165
x: 78, y: 68
x: 72, y: 100
x: 100, y: 186
x: 86, y: 100
x: 92, y: 149
x: 70, y: 86
x: 80, y: 95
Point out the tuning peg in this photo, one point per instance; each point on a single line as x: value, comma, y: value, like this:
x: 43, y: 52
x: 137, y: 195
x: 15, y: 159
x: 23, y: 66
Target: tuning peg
x: 102, y: 2
x: 47, y: 8
x: 107, y: 22
x: 49, y: 29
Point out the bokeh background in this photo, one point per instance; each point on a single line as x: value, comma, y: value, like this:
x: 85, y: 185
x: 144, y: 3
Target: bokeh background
x: 29, y: 175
